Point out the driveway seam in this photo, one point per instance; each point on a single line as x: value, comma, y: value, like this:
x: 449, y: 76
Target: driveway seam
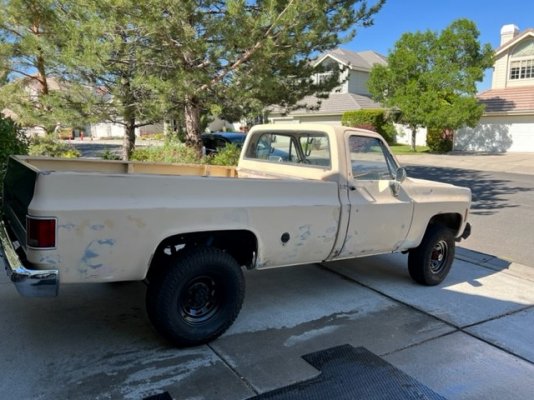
x: 411, y: 306
x: 456, y: 328
x: 497, y: 317
x: 233, y: 370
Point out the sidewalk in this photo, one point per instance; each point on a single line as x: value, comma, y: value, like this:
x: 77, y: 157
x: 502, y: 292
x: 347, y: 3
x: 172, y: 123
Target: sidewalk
x: 520, y: 163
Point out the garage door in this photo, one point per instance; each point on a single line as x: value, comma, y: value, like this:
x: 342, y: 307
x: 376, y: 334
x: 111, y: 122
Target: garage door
x: 498, y: 134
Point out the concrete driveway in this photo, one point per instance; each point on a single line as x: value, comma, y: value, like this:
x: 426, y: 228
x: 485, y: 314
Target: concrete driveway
x: 469, y: 338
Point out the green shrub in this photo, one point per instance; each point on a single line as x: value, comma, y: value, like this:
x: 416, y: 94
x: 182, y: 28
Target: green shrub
x: 12, y: 141
x: 229, y: 156
x: 110, y: 155
x: 50, y: 147
x: 168, y: 153
x: 372, y: 119
x: 152, y: 136
x: 439, y: 140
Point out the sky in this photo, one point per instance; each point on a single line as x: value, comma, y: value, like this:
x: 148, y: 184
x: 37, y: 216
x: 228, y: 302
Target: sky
x: 399, y: 16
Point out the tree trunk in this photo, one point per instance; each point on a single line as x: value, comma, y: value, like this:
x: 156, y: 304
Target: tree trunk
x: 414, y: 135
x: 128, y: 144
x: 192, y: 125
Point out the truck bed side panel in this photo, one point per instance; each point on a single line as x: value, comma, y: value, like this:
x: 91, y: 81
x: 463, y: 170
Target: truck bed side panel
x: 110, y: 225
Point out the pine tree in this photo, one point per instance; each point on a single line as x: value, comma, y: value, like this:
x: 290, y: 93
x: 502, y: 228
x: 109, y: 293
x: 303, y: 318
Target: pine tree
x: 238, y: 56
x: 29, y: 42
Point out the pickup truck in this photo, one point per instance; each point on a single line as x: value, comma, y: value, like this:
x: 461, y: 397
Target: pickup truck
x: 301, y: 194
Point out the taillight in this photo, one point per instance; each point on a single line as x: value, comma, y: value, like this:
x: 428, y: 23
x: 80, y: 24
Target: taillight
x: 41, y: 232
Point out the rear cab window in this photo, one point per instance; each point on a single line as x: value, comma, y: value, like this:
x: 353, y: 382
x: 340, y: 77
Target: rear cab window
x: 297, y: 148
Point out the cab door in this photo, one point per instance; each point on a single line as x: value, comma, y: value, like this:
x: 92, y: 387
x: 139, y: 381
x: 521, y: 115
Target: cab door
x: 380, y: 210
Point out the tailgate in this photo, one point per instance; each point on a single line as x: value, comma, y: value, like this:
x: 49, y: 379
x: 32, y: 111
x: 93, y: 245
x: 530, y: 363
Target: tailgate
x: 19, y: 185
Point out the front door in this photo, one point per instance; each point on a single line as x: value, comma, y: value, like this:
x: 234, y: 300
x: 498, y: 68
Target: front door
x: 380, y: 210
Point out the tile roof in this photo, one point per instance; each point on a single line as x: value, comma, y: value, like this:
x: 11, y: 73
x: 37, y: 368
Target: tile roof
x: 336, y: 103
x: 518, y: 99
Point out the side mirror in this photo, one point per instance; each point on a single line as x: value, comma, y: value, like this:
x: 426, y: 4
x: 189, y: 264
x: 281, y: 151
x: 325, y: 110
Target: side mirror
x: 400, y: 175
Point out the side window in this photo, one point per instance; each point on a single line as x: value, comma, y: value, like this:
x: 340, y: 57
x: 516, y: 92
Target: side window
x: 369, y: 159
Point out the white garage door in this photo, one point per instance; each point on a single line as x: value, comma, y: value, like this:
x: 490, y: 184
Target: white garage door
x: 498, y: 134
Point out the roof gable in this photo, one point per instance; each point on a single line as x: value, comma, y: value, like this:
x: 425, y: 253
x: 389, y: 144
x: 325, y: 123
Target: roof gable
x: 363, y: 60
x: 335, y: 104
x: 506, y: 46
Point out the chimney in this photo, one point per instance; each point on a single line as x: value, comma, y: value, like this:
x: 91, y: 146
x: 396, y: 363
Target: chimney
x: 508, y: 32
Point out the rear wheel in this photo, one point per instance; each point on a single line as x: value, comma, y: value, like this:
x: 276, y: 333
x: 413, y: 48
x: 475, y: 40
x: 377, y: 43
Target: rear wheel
x: 430, y: 262
x: 196, y: 298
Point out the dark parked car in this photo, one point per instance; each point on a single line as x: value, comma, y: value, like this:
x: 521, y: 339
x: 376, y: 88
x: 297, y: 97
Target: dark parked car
x: 214, y: 142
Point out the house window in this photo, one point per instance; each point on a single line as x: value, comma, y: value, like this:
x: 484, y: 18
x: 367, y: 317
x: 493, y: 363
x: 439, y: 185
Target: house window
x: 522, y: 60
x: 522, y: 69
x: 322, y: 77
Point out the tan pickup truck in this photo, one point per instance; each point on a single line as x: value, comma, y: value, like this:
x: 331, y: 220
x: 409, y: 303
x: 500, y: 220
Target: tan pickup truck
x: 301, y: 194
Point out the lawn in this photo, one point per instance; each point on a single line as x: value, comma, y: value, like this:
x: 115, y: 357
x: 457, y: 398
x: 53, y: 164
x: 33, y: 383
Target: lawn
x: 405, y: 149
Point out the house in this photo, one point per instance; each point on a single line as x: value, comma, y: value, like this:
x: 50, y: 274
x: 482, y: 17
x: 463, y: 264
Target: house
x: 352, y: 94
x: 508, y: 121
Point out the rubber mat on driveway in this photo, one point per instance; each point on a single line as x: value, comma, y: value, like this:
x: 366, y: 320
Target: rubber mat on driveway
x: 352, y: 373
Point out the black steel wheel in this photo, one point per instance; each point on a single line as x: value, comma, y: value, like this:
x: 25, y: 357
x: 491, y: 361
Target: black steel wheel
x: 430, y: 262
x: 196, y: 298
x: 200, y: 300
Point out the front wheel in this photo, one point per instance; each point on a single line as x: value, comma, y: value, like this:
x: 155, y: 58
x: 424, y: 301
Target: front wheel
x: 431, y: 261
x: 196, y: 298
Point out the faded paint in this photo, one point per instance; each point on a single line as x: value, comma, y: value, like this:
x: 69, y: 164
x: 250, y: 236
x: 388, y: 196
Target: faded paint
x: 138, y: 222
x: 113, y: 237
x: 68, y: 227
x: 50, y: 260
x: 97, y: 254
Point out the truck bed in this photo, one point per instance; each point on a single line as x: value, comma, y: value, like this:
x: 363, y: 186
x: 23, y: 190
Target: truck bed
x: 111, y: 216
x: 125, y: 167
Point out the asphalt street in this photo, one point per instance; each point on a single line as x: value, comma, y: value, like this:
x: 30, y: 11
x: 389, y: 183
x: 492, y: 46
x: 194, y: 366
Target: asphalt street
x: 502, y: 212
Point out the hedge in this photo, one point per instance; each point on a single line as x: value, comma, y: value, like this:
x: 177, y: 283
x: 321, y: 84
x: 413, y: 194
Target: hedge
x: 439, y: 140
x: 372, y: 119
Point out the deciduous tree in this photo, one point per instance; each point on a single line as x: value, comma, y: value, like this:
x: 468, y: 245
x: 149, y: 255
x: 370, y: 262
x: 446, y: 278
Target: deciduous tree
x: 431, y: 77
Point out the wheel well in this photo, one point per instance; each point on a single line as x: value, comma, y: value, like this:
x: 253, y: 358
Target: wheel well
x: 240, y: 244
x: 452, y: 221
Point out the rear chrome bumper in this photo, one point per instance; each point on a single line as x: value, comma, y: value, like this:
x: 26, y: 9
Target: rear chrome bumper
x: 29, y: 282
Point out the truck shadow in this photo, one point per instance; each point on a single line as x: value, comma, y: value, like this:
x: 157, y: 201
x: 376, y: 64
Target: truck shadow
x: 489, y: 194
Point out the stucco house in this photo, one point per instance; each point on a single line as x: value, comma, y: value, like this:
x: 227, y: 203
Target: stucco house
x: 352, y: 94
x: 508, y: 121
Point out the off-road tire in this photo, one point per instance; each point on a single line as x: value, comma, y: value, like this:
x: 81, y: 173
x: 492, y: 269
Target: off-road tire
x: 197, y: 297
x: 430, y: 262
